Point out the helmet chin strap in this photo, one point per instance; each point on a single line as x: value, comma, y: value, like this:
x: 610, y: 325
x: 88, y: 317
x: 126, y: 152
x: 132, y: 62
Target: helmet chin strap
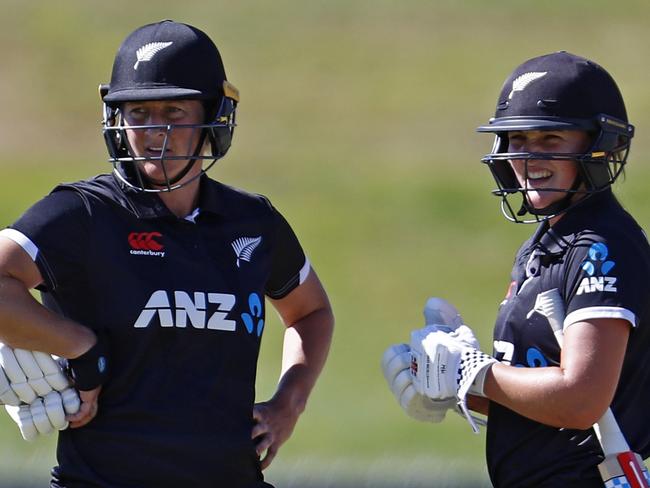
x: 554, y: 208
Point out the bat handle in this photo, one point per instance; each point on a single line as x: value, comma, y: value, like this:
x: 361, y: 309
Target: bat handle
x: 609, y: 434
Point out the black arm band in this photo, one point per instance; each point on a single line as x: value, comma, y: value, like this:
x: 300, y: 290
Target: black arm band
x: 91, y: 368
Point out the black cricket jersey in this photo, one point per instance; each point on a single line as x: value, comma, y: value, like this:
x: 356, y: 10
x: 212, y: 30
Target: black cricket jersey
x: 598, y: 258
x: 181, y: 305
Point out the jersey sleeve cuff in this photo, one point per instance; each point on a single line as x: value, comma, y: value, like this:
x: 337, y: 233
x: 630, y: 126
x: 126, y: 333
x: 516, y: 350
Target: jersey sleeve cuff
x: 22, y: 240
x: 600, y: 313
x: 295, y: 281
x: 304, y: 271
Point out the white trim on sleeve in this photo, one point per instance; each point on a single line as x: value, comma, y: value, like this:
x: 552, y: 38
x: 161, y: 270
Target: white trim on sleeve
x: 22, y: 240
x: 600, y: 313
x: 304, y: 271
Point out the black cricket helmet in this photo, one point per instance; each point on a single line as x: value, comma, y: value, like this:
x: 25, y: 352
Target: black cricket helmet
x: 554, y: 92
x: 168, y: 61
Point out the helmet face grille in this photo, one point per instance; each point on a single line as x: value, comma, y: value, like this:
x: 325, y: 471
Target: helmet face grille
x: 557, y: 92
x: 214, y: 142
x: 598, y: 169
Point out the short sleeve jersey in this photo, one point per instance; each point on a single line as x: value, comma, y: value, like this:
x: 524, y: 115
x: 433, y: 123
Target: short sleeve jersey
x: 180, y: 303
x: 598, y: 260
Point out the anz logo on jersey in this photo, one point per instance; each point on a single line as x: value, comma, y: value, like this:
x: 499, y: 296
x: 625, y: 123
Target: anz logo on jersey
x: 202, y: 310
x: 597, y: 262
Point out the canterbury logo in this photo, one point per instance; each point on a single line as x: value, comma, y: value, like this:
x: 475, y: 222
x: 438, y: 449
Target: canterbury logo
x: 521, y: 82
x: 244, y: 247
x: 145, y: 243
x: 148, y: 51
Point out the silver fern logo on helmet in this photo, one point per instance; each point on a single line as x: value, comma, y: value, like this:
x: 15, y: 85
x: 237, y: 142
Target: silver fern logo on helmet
x: 148, y: 51
x: 244, y: 247
x: 521, y: 82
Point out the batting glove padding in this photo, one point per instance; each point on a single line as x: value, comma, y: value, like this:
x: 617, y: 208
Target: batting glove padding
x: 52, y: 371
x: 30, y: 374
x: 447, y: 365
x: 7, y: 395
x: 396, y: 365
x: 45, y: 415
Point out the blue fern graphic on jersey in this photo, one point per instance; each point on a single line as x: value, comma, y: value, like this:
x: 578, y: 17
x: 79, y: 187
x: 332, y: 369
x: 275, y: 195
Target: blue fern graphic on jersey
x: 598, y: 253
x: 535, y: 358
x: 255, y: 307
x: 244, y: 247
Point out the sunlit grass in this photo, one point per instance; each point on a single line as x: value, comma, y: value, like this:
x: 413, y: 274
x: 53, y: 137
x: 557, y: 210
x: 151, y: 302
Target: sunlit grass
x: 357, y: 119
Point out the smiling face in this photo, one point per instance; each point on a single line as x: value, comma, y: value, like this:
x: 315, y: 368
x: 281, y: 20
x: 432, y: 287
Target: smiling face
x: 161, y: 143
x: 538, y: 176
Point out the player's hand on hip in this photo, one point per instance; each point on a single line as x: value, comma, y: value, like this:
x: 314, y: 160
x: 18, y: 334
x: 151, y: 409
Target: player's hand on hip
x: 274, y: 423
x: 87, y: 410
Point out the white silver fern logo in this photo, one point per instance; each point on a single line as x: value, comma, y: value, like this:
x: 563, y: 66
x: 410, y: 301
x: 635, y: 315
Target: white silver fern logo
x: 524, y: 80
x: 148, y: 51
x: 244, y: 247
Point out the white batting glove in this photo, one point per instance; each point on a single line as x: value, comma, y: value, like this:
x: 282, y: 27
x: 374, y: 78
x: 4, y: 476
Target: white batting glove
x: 45, y: 415
x: 447, y: 365
x: 396, y: 365
x: 30, y: 374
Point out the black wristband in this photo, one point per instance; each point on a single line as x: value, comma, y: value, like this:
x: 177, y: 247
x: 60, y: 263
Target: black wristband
x: 91, y: 368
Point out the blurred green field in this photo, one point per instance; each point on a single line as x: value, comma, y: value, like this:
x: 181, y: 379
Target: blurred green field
x: 357, y: 119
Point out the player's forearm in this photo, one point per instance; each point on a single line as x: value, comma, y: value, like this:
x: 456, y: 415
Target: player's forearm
x: 548, y: 395
x: 305, y: 350
x: 26, y: 324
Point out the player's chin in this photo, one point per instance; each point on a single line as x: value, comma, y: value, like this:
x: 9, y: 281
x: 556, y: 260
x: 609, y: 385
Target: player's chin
x: 542, y: 199
x: 162, y: 183
x: 159, y: 174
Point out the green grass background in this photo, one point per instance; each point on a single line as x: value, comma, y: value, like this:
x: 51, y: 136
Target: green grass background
x: 357, y: 119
